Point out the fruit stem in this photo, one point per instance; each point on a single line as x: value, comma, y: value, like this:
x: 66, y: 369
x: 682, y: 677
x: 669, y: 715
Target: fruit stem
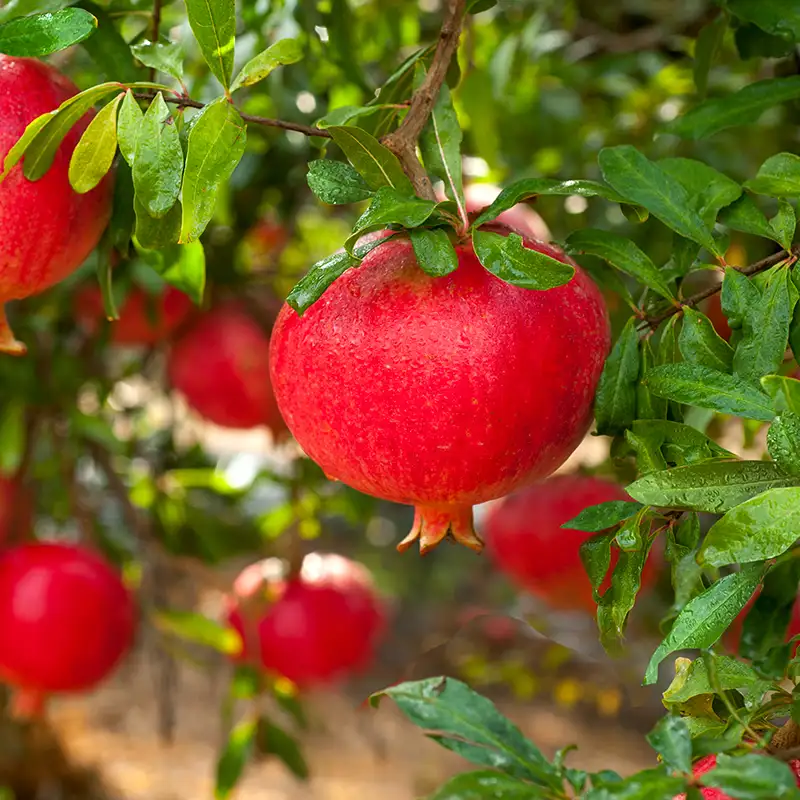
x: 27, y: 704
x: 8, y: 342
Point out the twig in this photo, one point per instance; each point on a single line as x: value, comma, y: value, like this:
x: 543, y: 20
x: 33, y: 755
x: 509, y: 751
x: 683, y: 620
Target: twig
x: 753, y: 269
x: 403, y: 141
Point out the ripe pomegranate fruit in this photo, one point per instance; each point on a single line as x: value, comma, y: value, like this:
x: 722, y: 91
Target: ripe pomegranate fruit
x: 144, y: 319
x: 66, y: 620
x: 221, y: 366
x: 527, y: 543
x: 521, y: 218
x: 440, y: 392
x: 707, y: 763
x: 48, y: 229
x: 718, y: 319
x: 313, y: 628
x: 16, y: 511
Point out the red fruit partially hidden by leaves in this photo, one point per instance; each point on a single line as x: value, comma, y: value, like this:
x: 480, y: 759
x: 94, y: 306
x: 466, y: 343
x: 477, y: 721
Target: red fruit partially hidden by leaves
x: 16, y: 512
x: 527, y: 543
x: 47, y: 228
x: 733, y: 635
x: 66, y: 619
x: 312, y: 629
x: 221, y: 366
x: 707, y: 763
x: 718, y: 319
x: 144, y: 319
x: 440, y: 392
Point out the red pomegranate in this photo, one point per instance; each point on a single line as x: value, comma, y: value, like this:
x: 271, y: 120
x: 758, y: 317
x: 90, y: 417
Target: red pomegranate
x: 440, y: 392
x: 144, y: 319
x: 16, y: 511
x: 66, y: 620
x: 718, y: 319
x: 526, y: 540
x: 312, y: 629
x: 221, y: 366
x: 48, y: 229
x: 707, y: 763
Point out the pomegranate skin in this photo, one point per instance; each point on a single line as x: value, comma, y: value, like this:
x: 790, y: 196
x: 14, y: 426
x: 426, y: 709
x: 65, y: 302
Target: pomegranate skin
x: 144, y: 319
x: 440, y: 392
x: 48, y: 229
x: 16, y: 511
x: 221, y: 366
x: 718, y: 319
x: 66, y: 619
x: 313, y: 629
x: 526, y: 541
x: 707, y: 763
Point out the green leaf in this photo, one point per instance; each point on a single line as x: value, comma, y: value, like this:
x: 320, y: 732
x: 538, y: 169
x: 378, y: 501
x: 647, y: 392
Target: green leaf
x: 646, y: 785
x: 375, y: 163
x: 670, y: 739
x: 701, y: 344
x: 648, y: 406
x: 765, y: 330
x: 336, y: 182
x: 779, y: 175
x: 760, y: 528
x: 166, y: 58
x: 713, y: 487
x: 199, y: 629
x: 94, y: 154
x: 435, y: 253
x: 486, y: 785
x: 615, y: 403
x: 152, y: 233
x: 744, y: 215
x: 181, y: 265
x: 216, y: 145
x: 707, y: 616
x: 753, y: 42
x: 274, y: 741
x: 783, y: 442
x: 470, y: 725
x: 235, y: 756
x: 621, y: 253
x: 390, y: 207
x: 595, y: 555
x: 785, y: 392
x: 280, y: 53
x: 740, y: 297
x: 778, y: 17
x: 12, y: 436
x: 16, y: 152
x: 129, y: 125
x: 707, y: 388
x: 507, y: 258
x: 213, y: 23
x: 344, y: 114
x: 752, y: 777
x: 645, y: 183
x: 43, y: 34
x: 740, y: 108
x: 706, y: 47
x: 678, y: 439
x: 108, y: 50
x: 784, y: 224
x: 158, y: 163
x: 603, y: 516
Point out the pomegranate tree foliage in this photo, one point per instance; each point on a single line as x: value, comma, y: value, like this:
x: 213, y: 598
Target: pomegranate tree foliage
x: 674, y: 121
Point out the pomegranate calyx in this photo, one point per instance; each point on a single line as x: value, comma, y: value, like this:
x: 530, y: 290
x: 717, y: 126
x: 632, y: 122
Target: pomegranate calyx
x: 9, y: 344
x: 432, y: 524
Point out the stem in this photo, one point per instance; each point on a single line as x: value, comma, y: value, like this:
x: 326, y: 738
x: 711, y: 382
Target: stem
x: 403, y: 141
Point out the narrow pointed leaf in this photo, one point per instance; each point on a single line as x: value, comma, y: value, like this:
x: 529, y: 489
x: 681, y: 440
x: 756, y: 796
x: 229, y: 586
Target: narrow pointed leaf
x: 390, y: 207
x: 752, y: 776
x: 615, y: 403
x: 234, y: 758
x: 701, y: 344
x: 603, y: 516
x: 784, y: 391
x: 784, y: 224
x: 483, y: 784
x: 707, y: 45
x: 783, y: 442
x: 94, y: 154
x: 709, y: 189
x: 435, y: 252
x: 336, y: 182
x: 745, y: 216
x: 778, y: 176
x: 129, y: 125
x: 41, y: 35
x: 213, y: 23
x: 166, y: 58
x: 285, y: 51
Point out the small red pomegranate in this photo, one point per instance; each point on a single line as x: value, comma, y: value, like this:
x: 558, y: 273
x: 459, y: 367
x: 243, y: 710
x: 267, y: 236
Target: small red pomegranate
x: 718, y: 319
x: 312, y: 629
x: 47, y: 228
x: 707, y: 763
x: 16, y: 511
x: 66, y: 620
x: 527, y: 542
x: 144, y: 319
x: 221, y: 366
x: 440, y: 392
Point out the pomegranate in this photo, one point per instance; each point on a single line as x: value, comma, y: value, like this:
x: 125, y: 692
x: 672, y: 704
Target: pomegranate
x: 313, y: 628
x: 527, y: 542
x: 48, y: 229
x: 221, y: 366
x: 718, y: 319
x: 144, y: 319
x: 66, y: 620
x: 16, y: 511
x: 263, y: 242
x: 707, y: 763
x: 440, y: 392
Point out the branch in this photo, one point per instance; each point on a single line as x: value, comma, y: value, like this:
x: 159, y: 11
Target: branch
x: 753, y: 269
x: 403, y: 141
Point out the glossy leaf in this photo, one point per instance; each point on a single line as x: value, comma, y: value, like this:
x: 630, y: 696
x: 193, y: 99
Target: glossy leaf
x: 709, y: 189
x: 707, y: 616
x: 216, y: 145
x: 213, y: 23
x: 483, y: 784
x: 615, y: 403
x: 778, y: 17
x: 234, y: 758
x: 744, y: 215
x: 648, y: 406
x: 670, y: 739
x: 198, y: 629
x: 507, y: 258
x: 701, y: 344
x: 94, y: 154
x: 435, y: 253
x: 784, y: 224
x: 753, y: 777
x: 152, y: 233
x: 783, y: 441
x: 676, y: 438
x: 779, y: 175
x: 336, y: 182
x: 645, y: 183
x: 390, y: 207
x: 280, y: 53
x: 129, y: 125
x: 595, y: 555
x: 739, y: 299
x: 41, y: 35
x: 621, y: 253
x: 784, y: 391
x: 713, y: 487
x: 646, y: 785
x: 603, y: 516
x: 183, y: 266
x: 375, y: 163
x: 17, y: 150
x: 729, y: 674
x: 708, y: 388
x: 166, y: 58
